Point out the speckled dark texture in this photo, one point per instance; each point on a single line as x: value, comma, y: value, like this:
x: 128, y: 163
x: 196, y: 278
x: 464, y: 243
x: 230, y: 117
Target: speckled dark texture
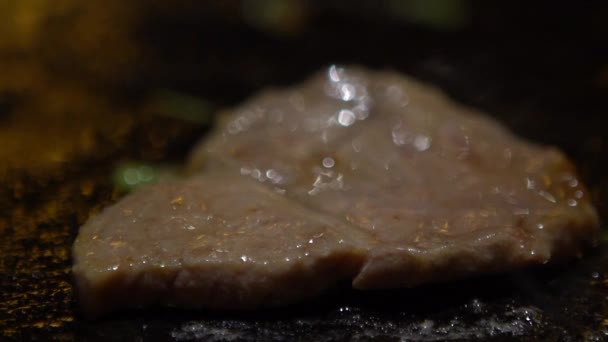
x: 543, y: 78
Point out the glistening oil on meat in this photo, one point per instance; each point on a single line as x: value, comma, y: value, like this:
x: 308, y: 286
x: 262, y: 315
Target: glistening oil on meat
x: 362, y: 175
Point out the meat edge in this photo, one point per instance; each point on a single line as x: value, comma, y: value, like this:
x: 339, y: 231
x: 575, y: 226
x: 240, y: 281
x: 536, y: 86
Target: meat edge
x: 214, y: 286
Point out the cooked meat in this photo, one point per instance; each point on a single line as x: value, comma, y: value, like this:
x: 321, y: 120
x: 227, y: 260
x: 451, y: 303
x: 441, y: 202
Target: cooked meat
x: 213, y: 241
x: 358, y: 175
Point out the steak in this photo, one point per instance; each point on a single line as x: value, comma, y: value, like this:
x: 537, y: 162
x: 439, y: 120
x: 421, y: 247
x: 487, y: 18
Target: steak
x: 214, y: 241
x: 370, y: 177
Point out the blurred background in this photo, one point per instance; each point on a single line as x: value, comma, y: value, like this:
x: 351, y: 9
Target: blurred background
x: 90, y: 71
x: 97, y: 97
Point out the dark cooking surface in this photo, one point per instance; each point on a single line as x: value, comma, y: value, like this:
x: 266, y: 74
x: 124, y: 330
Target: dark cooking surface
x: 547, y: 80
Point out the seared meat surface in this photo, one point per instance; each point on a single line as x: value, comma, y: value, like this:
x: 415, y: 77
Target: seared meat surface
x: 213, y: 241
x: 367, y: 176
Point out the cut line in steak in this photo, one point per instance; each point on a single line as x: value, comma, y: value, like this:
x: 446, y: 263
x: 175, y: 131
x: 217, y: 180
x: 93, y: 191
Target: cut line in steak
x: 356, y: 175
